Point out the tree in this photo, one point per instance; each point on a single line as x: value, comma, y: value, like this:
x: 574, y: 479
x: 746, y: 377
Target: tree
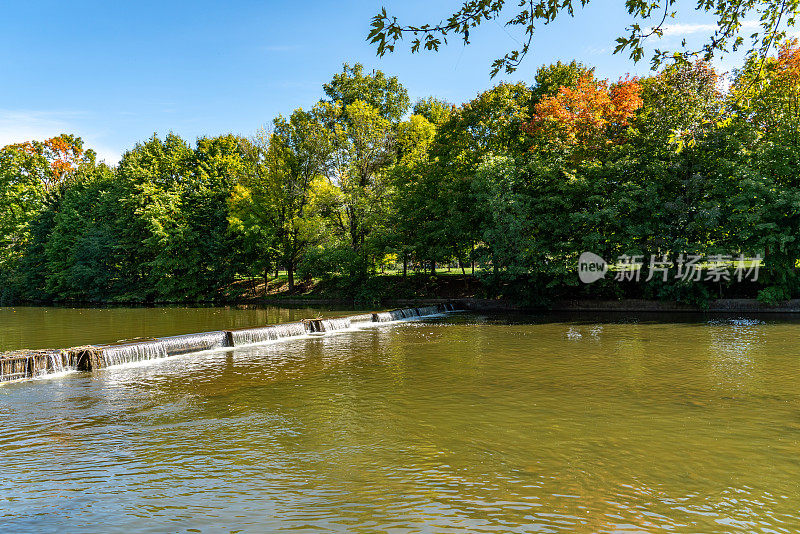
x: 549, y: 79
x: 766, y: 94
x: 586, y: 119
x: 175, y: 235
x: 363, y: 149
x: 413, y: 224
x: 154, y: 173
x: 650, y: 21
x: 434, y: 110
x: 489, y: 125
x: 199, y: 254
x: 32, y: 177
x: 299, y: 151
x: 252, y: 210
x: 681, y: 106
x: 53, y: 161
x: 384, y: 93
x: 78, y: 241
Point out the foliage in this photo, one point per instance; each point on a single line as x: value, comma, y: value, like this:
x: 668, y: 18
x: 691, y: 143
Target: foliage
x: 587, y: 118
x: 649, y: 21
x: 517, y: 182
x: 767, y: 95
x: 435, y: 110
x: 549, y: 79
x: 384, y: 93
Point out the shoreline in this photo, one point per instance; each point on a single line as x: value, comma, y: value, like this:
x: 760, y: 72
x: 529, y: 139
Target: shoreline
x: 472, y: 303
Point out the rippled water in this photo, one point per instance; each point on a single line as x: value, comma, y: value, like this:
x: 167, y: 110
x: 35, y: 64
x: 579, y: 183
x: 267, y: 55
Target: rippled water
x: 468, y: 423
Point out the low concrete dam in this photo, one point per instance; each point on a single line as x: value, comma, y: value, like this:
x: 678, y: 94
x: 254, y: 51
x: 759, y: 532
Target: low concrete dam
x: 28, y: 364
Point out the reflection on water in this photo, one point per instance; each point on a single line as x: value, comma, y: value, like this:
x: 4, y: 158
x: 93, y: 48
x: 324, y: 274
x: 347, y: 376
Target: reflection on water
x: 468, y: 423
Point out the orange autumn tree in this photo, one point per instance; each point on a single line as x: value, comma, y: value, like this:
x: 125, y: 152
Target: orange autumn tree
x: 584, y: 120
x: 53, y: 160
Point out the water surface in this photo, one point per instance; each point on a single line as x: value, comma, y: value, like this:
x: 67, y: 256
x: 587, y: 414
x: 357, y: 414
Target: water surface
x: 466, y: 423
x: 42, y: 327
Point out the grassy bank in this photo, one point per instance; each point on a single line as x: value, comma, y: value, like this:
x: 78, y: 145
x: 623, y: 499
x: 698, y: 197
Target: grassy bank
x: 373, y: 290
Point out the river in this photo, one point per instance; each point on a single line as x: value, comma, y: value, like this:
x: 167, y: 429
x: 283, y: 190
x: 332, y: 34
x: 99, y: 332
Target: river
x: 467, y: 422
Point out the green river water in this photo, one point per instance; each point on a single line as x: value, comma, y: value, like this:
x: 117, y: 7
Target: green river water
x: 461, y: 423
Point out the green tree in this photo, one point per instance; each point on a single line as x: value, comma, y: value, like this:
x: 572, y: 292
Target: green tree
x: 550, y: 78
x: 363, y: 149
x: 435, y: 110
x: 81, y: 247
x: 489, y: 125
x: 33, y: 176
x: 384, y: 93
x: 303, y: 148
x: 413, y: 227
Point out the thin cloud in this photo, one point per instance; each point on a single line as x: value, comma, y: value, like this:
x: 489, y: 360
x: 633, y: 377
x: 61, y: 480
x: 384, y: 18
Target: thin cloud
x: 596, y: 50
x: 671, y: 30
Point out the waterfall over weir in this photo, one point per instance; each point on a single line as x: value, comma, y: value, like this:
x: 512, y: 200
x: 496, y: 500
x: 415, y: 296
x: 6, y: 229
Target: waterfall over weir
x: 249, y: 336
x: 328, y: 325
x: 187, y: 343
x: 129, y: 352
x: 22, y: 364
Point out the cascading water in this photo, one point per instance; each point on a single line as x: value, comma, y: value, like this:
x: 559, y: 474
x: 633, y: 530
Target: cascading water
x: 176, y: 345
x: 328, y: 325
x: 32, y: 363
x: 385, y: 317
x: 363, y: 318
x: 248, y: 336
x: 14, y: 366
x: 428, y: 310
x: 56, y: 363
x: 404, y: 313
x: 130, y: 352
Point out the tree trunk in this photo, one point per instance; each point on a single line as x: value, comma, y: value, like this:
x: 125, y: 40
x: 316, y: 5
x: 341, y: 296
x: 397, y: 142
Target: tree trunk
x: 472, y: 258
x: 405, y: 265
x: 433, y: 267
x: 290, y: 275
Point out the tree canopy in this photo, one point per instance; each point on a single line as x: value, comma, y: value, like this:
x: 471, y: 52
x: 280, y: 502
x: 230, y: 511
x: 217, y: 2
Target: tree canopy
x: 516, y: 184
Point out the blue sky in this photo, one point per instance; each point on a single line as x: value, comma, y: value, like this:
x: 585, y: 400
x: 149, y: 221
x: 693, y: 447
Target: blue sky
x: 116, y: 72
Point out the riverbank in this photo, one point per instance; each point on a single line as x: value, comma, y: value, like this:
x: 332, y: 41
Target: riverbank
x: 423, y: 289
x: 394, y: 290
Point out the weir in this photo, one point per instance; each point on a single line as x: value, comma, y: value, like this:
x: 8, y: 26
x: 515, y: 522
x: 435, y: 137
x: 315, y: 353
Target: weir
x: 23, y: 364
x: 328, y: 325
x: 248, y: 336
x: 128, y: 352
x: 26, y: 364
x: 176, y: 345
